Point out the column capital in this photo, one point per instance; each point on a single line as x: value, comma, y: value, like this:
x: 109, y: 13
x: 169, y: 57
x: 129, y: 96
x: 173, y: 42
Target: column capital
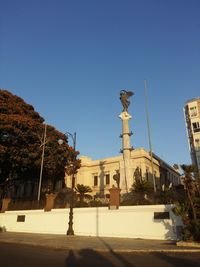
x: 125, y: 116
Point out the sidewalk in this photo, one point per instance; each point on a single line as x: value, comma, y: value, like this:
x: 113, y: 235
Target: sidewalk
x: 103, y: 244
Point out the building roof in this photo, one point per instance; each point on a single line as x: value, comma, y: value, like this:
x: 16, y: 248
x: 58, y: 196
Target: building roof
x: 192, y: 100
x: 138, y: 152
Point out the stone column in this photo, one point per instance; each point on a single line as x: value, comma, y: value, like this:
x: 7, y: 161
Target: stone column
x: 126, y: 170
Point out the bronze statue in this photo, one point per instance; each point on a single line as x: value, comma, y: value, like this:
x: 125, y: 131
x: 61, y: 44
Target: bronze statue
x: 124, y: 96
x: 116, y: 177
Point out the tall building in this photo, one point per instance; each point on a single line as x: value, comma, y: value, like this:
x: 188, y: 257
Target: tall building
x: 192, y: 119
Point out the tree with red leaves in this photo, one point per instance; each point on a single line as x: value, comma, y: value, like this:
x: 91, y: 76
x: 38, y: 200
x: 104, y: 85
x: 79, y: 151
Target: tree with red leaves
x: 21, y: 141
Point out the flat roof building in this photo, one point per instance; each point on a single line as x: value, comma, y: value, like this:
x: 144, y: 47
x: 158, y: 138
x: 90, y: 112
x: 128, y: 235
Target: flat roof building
x: 101, y: 175
x: 192, y: 120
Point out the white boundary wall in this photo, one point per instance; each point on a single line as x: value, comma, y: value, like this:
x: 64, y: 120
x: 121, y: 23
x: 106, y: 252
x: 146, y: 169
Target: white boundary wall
x: 129, y: 222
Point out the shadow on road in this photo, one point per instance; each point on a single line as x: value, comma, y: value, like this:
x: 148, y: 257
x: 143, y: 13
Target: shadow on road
x: 86, y: 258
x: 122, y: 260
x: 177, y: 261
x: 92, y: 258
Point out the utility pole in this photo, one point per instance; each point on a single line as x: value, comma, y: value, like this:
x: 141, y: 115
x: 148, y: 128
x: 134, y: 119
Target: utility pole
x: 42, y: 162
x: 149, y: 134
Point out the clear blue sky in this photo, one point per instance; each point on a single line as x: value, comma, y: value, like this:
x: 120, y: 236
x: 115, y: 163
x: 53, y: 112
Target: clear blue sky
x: 71, y: 58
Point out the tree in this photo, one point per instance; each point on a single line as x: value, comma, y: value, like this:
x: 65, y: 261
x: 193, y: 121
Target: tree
x: 83, y: 191
x: 142, y: 190
x: 21, y: 141
x: 142, y: 186
x: 167, y: 195
x: 190, y: 187
x: 189, y: 208
x: 140, y: 194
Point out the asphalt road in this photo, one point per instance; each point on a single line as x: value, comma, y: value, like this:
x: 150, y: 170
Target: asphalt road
x: 14, y: 255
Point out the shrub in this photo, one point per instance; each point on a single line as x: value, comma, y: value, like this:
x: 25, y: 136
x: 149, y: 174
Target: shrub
x: 2, y: 229
x: 191, y: 232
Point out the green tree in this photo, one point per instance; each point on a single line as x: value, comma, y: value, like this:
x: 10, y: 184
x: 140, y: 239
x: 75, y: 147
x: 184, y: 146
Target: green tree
x: 142, y: 186
x: 83, y: 191
x: 142, y: 190
x: 189, y: 207
x: 140, y: 194
x: 191, y: 189
x: 21, y: 141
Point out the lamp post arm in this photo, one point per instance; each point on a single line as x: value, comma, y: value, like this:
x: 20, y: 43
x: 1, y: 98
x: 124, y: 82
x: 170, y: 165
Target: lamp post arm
x: 73, y: 137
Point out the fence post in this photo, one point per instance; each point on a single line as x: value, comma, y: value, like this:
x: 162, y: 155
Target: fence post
x: 50, y: 198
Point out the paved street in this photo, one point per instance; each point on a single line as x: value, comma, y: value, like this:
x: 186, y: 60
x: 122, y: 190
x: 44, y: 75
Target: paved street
x: 27, y: 250
x: 103, y: 244
x: 18, y: 255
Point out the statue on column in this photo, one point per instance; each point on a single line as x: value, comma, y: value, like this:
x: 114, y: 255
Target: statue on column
x: 124, y: 97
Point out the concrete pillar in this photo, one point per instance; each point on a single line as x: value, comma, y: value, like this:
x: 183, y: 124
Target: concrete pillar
x: 126, y: 173
x: 50, y: 198
x: 114, y: 200
x: 5, y: 204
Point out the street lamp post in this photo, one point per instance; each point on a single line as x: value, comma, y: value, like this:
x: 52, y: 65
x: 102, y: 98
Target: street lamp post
x: 70, y: 230
x: 149, y: 136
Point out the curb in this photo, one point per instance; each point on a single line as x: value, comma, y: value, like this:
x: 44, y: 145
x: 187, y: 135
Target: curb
x: 60, y: 247
x: 188, y: 244
x: 149, y: 250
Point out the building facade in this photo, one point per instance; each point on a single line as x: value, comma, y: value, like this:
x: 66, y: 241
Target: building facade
x: 192, y: 120
x: 101, y: 175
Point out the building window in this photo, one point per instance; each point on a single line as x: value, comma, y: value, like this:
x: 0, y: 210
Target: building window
x: 193, y: 111
x: 196, y: 127
x: 161, y: 215
x: 95, y: 180
x: 138, y: 174
x: 107, y: 179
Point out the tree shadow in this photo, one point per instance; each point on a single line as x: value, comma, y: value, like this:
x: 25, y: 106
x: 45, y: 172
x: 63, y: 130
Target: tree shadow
x: 173, y: 229
x: 176, y: 260
x: 87, y: 258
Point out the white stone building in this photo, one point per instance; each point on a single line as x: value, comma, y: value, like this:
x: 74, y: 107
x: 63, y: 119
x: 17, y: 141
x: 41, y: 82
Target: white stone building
x: 98, y: 174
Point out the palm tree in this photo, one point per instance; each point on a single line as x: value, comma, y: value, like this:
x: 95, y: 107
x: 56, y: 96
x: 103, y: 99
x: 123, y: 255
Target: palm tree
x: 190, y: 188
x: 83, y: 191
